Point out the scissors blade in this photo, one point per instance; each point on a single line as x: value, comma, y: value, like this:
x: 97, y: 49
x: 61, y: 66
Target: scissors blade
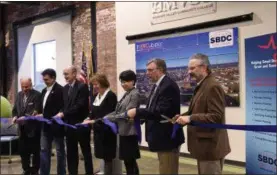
x: 164, y: 121
x: 167, y: 119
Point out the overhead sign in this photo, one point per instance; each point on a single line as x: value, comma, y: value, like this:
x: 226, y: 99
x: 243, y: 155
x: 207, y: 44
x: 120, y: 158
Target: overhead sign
x: 170, y: 11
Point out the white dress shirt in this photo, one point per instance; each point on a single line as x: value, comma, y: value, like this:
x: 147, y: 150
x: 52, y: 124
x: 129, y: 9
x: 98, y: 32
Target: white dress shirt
x: 48, y: 90
x: 98, y: 100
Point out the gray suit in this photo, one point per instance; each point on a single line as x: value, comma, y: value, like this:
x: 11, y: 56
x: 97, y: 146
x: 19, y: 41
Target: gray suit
x: 29, y: 137
x: 32, y: 103
x: 129, y: 100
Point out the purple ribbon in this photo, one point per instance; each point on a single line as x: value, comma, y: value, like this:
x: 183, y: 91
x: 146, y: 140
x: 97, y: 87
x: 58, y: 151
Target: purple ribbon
x: 111, y: 125
x: 176, y: 126
x: 80, y: 125
x: 256, y: 128
x: 115, y: 129
x: 138, y: 129
x: 4, y: 120
x: 61, y: 122
x: 39, y: 119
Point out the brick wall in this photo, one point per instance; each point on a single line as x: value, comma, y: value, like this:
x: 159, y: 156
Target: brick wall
x: 106, y: 41
x: 81, y: 34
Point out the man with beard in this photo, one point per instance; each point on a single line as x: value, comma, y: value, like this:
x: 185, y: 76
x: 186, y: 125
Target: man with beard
x: 208, y: 146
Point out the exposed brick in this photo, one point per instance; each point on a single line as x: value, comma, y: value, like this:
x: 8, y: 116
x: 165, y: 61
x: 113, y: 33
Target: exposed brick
x: 104, y: 5
x: 81, y: 35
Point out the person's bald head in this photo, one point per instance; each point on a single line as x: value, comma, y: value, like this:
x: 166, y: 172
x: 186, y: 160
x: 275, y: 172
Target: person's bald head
x: 26, y: 84
x: 70, y: 74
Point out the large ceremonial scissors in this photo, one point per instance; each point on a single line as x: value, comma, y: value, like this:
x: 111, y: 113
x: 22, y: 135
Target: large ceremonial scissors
x: 167, y: 119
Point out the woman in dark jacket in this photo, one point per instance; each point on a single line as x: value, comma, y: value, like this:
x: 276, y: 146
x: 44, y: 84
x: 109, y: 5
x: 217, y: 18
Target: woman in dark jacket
x: 128, y: 136
x: 104, y: 139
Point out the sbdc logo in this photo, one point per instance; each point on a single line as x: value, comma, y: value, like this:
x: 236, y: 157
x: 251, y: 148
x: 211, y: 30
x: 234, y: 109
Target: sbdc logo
x: 267, y: 161
x: 221, y: 38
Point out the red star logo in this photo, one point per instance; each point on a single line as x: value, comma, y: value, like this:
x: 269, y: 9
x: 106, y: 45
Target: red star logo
x: 270, y: 45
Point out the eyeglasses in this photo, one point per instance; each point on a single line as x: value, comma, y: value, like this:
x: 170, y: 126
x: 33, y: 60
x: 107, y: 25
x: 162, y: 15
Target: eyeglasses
x: 151, y: 70
x: 193, y: 67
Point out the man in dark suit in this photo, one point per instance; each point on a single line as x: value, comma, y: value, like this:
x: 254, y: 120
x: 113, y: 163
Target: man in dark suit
x: 208, y: 146
x: 27, y: 104
x: 164, y: 100
x: 51, y: 104
x: 75, y: 110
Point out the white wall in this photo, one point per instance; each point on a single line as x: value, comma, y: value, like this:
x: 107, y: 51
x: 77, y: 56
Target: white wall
x: 58, y: 29
x: 134, y: 18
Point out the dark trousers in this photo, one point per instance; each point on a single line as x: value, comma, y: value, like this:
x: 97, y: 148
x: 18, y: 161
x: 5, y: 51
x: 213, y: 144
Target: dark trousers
x: 131, y: 167
x: 30, y: 146
x: 82, y: 137
x: 108, y: 167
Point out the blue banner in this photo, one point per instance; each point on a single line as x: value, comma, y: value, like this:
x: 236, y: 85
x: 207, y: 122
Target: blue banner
x: 221, y: 47
x: 261, y: 103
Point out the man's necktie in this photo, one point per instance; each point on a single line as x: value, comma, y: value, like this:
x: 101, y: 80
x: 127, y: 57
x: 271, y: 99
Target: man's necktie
x: 25, y: 100
x: 151, y: 94
x: 70, y: 89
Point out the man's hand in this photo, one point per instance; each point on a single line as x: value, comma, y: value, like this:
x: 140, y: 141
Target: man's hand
x: 88, y: 121
x: 132, y: 113
x: 175, y: 118
x: 14, y: 119
x: 39, y: 115
x: 34, y: 113
x: 183, y: 120
x: 20, y: 120
x: 59, y: 115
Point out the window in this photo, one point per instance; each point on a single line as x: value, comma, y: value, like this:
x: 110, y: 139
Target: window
x: 44, y: 57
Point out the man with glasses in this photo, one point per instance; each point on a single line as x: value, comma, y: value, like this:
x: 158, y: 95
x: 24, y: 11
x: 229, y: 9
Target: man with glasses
x: 208, y: 146
x: 164, y: 100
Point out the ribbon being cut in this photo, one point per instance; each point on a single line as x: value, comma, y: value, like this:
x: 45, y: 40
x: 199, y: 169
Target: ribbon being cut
x: 105, y: 120
x: 176, y: 126
x: 58, y: 121
x: 256, y: 128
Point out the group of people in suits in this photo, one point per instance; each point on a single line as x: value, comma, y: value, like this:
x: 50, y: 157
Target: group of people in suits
x: 71, y: 104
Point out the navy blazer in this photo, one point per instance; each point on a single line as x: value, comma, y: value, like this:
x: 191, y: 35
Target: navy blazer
x: 54, y: 102
x: 166, y: 101
x: 76, y: 106
x: 53, y: 105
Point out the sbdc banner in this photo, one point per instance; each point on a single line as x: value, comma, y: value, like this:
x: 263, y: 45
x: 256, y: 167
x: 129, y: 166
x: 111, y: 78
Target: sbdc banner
x: 261, y: 103
x: 221, y: 47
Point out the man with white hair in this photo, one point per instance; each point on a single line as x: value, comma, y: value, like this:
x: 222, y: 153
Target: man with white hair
x: 27, y: 103
x: 75, y: 110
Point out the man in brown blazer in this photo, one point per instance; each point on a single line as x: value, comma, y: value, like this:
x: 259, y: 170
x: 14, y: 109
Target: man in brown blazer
x: 209, y: 146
